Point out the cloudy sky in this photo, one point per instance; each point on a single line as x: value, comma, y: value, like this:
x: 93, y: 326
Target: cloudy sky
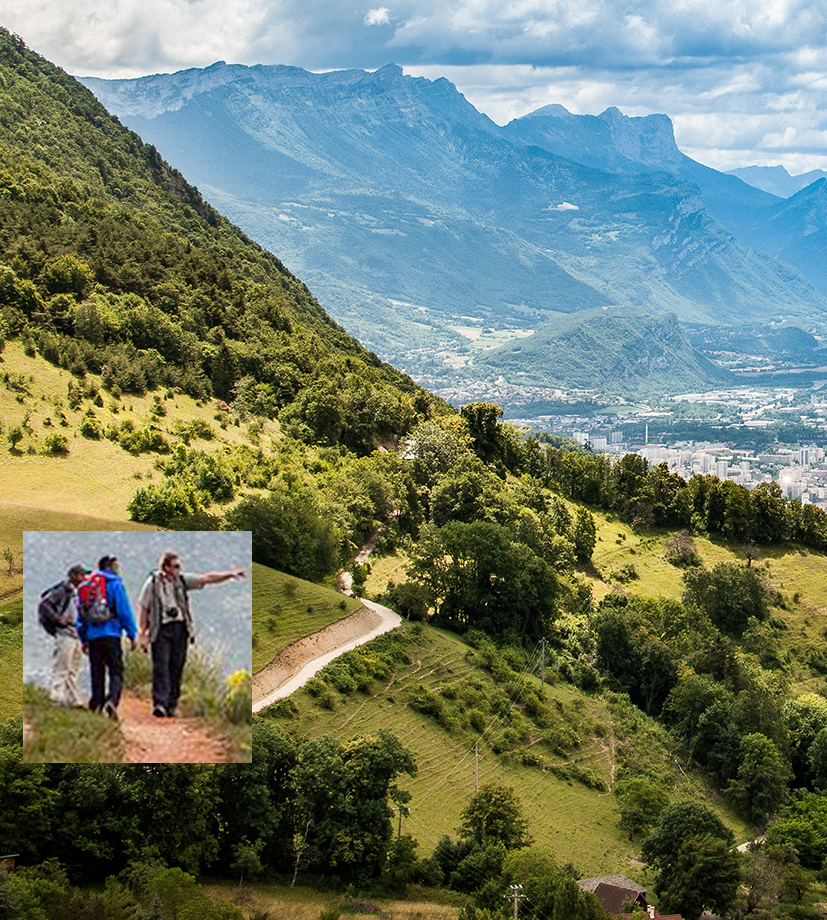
x: 744, y: 81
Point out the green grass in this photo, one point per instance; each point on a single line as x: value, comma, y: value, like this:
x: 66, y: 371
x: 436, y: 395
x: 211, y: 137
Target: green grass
x: 11, y: 656
x: 384, y: 569
x: 97, y: 477
x: 68, y: 735
x: 579, y: 823
x: 287, y: 608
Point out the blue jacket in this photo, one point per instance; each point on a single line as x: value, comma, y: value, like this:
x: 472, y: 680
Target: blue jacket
x: 117, y: 600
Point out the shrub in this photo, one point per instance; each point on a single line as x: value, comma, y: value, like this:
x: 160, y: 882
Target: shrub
x: 160, y: 504
x: 55, y: 445
x: 90, y: 427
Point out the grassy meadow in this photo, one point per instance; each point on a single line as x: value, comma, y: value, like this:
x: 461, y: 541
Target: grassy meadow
x: 578, y: 821
x: 287, y: 608
x: 96, y: 476
x: 281, y: 902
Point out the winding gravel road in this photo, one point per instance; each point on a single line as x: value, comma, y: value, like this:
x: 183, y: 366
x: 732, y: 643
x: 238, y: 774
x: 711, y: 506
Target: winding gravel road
x: 296, y: 664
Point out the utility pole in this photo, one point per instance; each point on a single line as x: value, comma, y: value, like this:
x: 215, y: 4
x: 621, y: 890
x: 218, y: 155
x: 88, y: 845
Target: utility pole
x: 515, y: 896
x: 476, y: 767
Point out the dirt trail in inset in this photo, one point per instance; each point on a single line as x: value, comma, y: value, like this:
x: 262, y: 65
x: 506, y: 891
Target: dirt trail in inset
x: 149, y: 739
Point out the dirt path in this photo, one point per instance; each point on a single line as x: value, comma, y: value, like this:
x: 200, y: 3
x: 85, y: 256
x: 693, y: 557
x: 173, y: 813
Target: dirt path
x: 296, y: 664
x: 148, y: 739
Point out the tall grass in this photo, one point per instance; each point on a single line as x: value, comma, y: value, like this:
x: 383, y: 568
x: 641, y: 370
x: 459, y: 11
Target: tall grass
x: 68, y: 735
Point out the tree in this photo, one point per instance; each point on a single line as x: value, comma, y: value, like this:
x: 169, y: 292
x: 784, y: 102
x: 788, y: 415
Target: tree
x: 704, y: 875
x: 289, y: 532
x: 173, y: 807
x: 692, y: 851
x: 803, y: 828
x: 677, y: 823
x: 478, y: 576
x: 805, y: 717
x: 761, y: 875
x: 9, y: 901
x: 247, y: 858
x: 584, y: 534
x: 817, y: 759
x: 485, y: 430
x: 761, y: 785
x: 341, y: 800
x: 494, y: 815
x: 641, y: 803
x: 730, y: 594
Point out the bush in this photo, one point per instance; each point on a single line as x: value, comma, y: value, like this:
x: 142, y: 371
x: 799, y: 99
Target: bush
x: 161, y: 504
x: 90, y: 427
x: 55, y: 445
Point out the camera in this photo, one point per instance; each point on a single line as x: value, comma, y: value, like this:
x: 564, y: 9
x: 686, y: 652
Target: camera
x: 172, y: 613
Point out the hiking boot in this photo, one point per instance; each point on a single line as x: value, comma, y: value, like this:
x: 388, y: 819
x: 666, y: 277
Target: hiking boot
x: 159, y: 712
x: 111, y: 711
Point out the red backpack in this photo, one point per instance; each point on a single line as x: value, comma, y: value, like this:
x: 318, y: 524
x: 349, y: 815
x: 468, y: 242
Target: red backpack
x: 92, y: 604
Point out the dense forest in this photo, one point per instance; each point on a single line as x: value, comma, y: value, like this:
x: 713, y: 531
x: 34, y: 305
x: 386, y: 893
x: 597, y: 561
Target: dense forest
x: 115, y: 269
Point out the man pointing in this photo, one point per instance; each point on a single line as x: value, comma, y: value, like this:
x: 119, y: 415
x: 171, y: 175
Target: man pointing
x: 166, y: 625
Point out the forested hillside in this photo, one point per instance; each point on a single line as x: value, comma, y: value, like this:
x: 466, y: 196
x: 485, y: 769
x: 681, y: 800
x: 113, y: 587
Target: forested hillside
x: 112, y: 263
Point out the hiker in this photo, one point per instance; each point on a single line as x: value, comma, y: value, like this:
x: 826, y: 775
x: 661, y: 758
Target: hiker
x: 57, y: 611
x: 104, y: 614
x: 166, y: 625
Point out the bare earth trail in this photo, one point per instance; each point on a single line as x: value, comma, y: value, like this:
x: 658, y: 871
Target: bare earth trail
x: 148, y: 739
x: 296, y: 664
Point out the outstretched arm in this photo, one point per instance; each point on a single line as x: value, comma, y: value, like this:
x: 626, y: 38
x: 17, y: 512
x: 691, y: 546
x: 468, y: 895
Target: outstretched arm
x: 215, y: 578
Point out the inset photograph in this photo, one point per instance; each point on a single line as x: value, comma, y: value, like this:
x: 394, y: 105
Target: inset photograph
x: 137, y: 647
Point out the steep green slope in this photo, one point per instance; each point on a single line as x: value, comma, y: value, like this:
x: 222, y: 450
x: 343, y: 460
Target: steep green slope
x: 561, y: 749
x: 111, y: 262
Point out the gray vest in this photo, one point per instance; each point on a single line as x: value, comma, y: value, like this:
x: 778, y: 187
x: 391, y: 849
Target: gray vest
x: 182, y: 602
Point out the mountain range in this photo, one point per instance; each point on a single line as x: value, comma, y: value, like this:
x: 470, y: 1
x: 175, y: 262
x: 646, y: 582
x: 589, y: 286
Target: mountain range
x: 423, y: 226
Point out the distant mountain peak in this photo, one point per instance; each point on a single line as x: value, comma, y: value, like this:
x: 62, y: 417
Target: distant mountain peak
x: 776, y: 179
x: 553, y: 110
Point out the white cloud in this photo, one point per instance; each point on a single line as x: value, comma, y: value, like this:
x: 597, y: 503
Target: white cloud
x: 736, y: 78
x: 378, y: 17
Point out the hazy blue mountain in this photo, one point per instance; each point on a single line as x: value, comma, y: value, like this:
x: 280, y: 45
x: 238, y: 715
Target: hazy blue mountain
x: 795, y: 231
x: 621, y: 143
x: 776, y: 180
x: 748, y: 202
x: 410, y: 214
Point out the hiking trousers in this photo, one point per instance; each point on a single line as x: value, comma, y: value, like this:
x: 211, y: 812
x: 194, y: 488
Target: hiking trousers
x: 105, y: 657
x: 65, y: 666
x: 169, y: 655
